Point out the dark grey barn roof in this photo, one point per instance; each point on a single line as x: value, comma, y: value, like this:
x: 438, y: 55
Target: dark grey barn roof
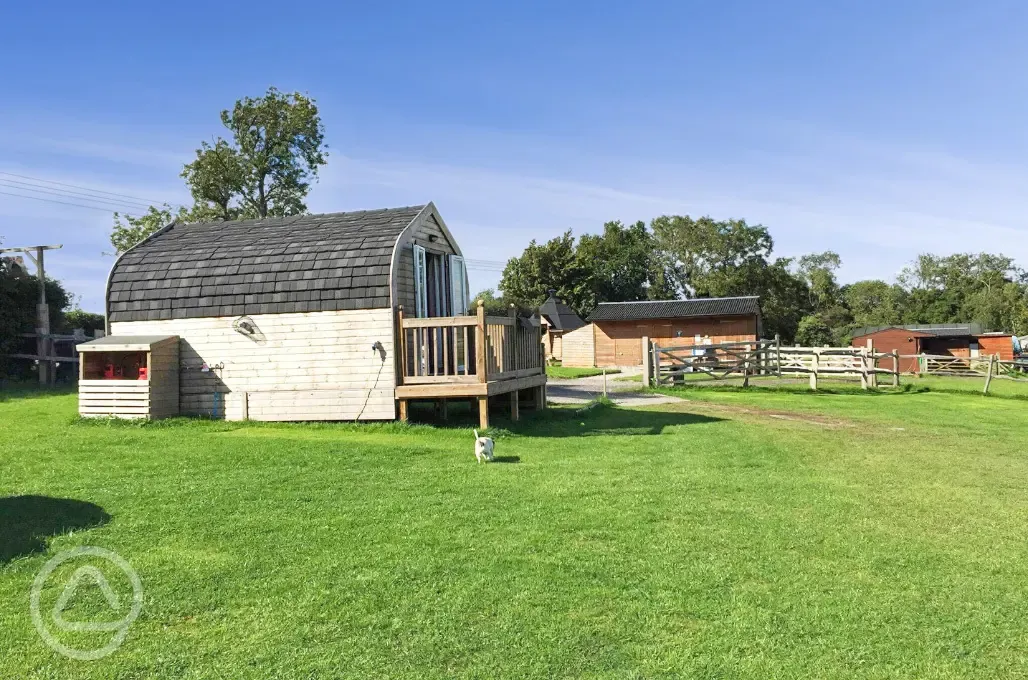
x: 559, y: 315
x: 307, y: 263
x: 675, y: 309
x: 941, y: 330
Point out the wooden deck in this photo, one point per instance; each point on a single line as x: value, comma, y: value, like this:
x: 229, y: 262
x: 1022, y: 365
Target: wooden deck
x: 470, y: 357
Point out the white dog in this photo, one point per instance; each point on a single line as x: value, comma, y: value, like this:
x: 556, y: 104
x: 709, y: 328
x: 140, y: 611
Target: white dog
x: 483, y: 448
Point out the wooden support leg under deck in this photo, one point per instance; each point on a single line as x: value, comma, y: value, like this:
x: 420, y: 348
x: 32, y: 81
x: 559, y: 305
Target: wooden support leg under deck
x: 514, y: 405
x: 540, y: 397
x: 403, y: 410
x: 483, y: 412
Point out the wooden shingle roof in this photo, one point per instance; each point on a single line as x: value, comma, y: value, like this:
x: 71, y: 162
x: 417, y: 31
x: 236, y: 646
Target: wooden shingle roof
x: 559, y: 315
x: 307, y: 263
x: 675, y: 309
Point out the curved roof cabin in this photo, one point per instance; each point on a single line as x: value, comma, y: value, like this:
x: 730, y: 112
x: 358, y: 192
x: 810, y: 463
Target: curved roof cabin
x: 299, y: 318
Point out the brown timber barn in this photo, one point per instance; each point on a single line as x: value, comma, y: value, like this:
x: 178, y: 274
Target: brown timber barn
x: 955, y: 339
x: 613, y: 336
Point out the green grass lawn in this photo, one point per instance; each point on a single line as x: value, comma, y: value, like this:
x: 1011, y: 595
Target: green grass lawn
x: 757, y: 534
x: 572, y: 372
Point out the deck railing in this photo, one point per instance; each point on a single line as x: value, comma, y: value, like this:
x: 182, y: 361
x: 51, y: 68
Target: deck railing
x: 478, y: 348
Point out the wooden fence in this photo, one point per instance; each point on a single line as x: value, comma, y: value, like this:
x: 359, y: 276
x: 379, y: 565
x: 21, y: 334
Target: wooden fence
x: 988, y: 367
x: 666, y: 365
x: 468, y: 349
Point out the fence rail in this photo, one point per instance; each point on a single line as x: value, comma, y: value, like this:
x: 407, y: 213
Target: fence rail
x: 476, y: 348
x: 673, y: 364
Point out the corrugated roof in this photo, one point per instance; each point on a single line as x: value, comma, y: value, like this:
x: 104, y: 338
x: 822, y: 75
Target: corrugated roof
x: 559, y: 315
x: 675, y: 309
x: 307, y: 263
x: 941, y: 330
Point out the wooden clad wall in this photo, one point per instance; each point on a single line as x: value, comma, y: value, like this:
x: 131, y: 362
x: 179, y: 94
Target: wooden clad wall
x: 404, y: 274
x: 1001, y: 345
x: 619, y: 343
x: 303, y: 366
x: 894, y: 340
x: 578, y: 347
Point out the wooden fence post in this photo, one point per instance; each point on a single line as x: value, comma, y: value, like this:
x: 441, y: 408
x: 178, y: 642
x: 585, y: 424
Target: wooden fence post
x: 481, y: 342
x: 647, y: 376
x: 988, y: 376
x: 656, y: 365
x: 746, y: 367
x: 873, y: 378
x: 813, y: 369
x: 896, y: 366
x: 778, y: 354
x: 863, y: 368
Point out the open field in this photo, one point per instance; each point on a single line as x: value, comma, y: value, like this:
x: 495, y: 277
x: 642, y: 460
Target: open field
x: 739, y: 534
x: 572, y: 372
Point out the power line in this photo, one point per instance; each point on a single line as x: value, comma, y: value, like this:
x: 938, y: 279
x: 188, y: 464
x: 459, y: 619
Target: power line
x: 28, y: 186
x: 50, y: 200
x: 104, y: 202
x: 75, y: 186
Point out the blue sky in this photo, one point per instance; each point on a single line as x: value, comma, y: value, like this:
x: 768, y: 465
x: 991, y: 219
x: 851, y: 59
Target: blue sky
x: 877, y: 129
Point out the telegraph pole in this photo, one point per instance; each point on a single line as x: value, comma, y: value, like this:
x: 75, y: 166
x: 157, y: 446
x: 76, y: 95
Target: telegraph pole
x: 44, y: 346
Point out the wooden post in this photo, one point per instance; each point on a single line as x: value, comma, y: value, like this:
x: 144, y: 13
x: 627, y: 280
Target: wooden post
x: 404, y: 415
x: 896, y: 366
x: 778, y: 354
x: 647, y: 361
x: 402, y: 347
x: 873, y: 377
x: 483, y: 412
x: 540, y: 397
x: 515, y: 406
x: 442, y: 408
x: 863, y: 367
x: 656, y: 365
x: 746, y: 367
x: 988, y: 376
x: 481, y: 364
x: 813, y: 369
x: 246, y: 404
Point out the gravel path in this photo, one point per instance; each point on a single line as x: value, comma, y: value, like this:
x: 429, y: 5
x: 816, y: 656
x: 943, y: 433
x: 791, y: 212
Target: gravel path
x: 621, y: 392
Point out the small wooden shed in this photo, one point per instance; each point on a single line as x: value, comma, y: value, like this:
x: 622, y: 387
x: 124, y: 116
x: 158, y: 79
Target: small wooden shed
x: 129, y: 376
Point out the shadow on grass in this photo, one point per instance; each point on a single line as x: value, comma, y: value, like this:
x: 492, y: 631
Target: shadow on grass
x: 26, y: 522
x: 11, y: 391
x: 506, y: 459
x: 595, y: 418
x: 826, y: 390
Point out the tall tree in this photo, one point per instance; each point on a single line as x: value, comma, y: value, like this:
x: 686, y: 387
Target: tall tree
x: 704, y: 257
x: 874, y: 303
x: 527, y: 279
x: 622, y: 264
x: 267, y: 169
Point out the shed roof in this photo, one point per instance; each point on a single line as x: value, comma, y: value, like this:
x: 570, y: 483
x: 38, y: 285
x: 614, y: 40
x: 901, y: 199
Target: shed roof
x: 559, y: 315
x: 675, y: 309
x: 938, y: 330
x: 307, y: 263
x: 124, y: 343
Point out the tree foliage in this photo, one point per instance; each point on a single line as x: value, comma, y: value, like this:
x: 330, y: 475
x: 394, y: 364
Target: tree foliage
x: 493, y: 303
x: 265, y: 169
x: 19, y: 295
x: 801, y: 299
x: 128, y: 230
